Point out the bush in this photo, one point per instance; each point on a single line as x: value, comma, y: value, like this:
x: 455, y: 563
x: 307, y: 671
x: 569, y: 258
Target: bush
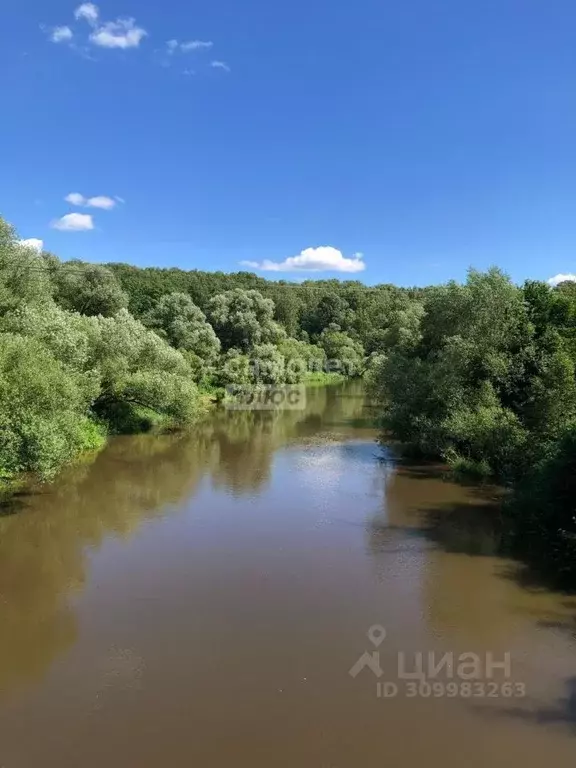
x: 43, y: 413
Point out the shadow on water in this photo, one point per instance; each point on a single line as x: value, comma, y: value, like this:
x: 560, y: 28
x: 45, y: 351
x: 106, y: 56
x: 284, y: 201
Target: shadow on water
x: 468, y: 522
x: 14, y: 502
x: 561, y: 713
x: 434, y: 520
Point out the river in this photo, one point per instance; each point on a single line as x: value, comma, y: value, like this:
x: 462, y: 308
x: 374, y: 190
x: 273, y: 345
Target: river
x: 208, y: 600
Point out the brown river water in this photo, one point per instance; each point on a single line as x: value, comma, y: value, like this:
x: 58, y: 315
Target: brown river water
x: 203, y: 600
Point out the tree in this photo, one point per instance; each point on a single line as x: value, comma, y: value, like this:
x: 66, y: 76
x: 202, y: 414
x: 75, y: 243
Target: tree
x: 43, y: 412
x: 331, y: 309
x: 184, y: 326
x: 345, y: 354
x: 243, y: 319
x: 24, y: 277
x: 90, y: 289
x: 301, y: 358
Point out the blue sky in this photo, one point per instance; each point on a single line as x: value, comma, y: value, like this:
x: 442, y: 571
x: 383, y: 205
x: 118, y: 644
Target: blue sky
x: 426, y: 136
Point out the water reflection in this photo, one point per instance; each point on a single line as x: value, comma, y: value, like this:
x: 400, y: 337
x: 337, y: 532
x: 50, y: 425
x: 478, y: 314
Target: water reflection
x: 450, y: 536
x: 44, y: 541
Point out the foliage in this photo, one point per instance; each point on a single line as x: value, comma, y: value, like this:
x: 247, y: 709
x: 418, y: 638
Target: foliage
x: 177, y: 319
x: 24, y: 276
x: 43, y: 413
x: 90, y: 289
x: 242, y: 319
x: 344, y: 354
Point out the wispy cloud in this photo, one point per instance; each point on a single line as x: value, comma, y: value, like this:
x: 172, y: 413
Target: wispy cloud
x: 61, y: 34
x: 73, y: 222
x: 325, y: 258
x: 220, y: 65
x: 100, y: 201
x: 175, y: 46
x: 195, y: 45
x: 33, y: 242
x: 561, y: 278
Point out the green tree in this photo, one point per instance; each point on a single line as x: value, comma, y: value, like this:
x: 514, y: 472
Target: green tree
x: 43, y: 412
x: 177, y: 319
x: 243, y: 319
x: 90, y: 289
x: 344, y: 354
x: 24, y: 277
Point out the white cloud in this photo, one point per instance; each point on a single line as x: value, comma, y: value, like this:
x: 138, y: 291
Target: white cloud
x: 87, y: 11
x: 196, y: 45
x: 73, y: 222
x: 100, y: 201
x: 557, y: 279
x: 173, y: 46
x: 220, y: 65
x: 33, y: 242
x: 61, y: 34
x: 75, y: 198
x: 122, y: 33
x: 325, y: 258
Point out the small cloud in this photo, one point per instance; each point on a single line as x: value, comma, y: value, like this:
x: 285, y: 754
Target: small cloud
x: 188, y: 72
x: 100, y: 201
x: 195, y: 45
x: 119, y: 199
x: 175, y: 46
x: 325, y: 258
x: 87, y: 11
x: 220, y: 65
x: 557, y: 279
x: 122, y: 33
x: 61, y: 34
x: 34, y: 243
x: 73, y: 222
x: 75, y: 198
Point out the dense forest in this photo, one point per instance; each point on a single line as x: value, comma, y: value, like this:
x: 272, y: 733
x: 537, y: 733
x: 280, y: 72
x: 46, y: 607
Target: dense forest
x: 481, y: 375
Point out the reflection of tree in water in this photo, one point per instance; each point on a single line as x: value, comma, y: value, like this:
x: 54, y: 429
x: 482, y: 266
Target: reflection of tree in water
x: 42, y: 544
x: 448, y: 535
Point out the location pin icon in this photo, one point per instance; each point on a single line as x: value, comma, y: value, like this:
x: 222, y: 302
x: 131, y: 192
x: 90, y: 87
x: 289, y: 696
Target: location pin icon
x: 376, y: 634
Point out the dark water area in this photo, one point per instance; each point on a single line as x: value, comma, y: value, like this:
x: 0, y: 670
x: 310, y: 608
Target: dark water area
x: 203, y: 600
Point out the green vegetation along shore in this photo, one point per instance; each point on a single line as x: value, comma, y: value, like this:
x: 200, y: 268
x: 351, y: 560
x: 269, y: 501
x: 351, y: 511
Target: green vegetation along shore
x: 86, y: 352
